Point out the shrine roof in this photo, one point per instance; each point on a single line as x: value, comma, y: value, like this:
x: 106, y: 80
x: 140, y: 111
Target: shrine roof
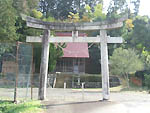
x: 74, y: 50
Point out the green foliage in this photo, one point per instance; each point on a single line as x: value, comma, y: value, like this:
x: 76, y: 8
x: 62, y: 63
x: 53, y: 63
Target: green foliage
x: 87, y: 8
x: 147, y: 80
x: 32, y: 4
x: 145, y: 56
x: 36, y: 14
x: 59, y: 9
x: 5, y: 47
x: 139, y: 38
x: 25, y: 6
x: 91, y: 3
x: 54, y: 7
x: 87, y: 14
x: 7, y: 21
x: 25, y: 107
x: 23, y: 30
x: 98, y: 14
x: 55, y: 53
x: 73, y: 17
x: 49, y: 19
x: 125, y: 61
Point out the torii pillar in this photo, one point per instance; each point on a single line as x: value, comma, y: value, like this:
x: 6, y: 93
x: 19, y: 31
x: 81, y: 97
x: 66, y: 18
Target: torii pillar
x: 44, y: 65
x: 104, y: 65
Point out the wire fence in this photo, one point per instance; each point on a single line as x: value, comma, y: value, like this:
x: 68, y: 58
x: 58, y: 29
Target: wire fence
x: 15, y: 69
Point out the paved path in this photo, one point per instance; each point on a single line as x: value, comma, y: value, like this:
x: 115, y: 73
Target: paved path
x: 123, y: 102
x: 99, y: 107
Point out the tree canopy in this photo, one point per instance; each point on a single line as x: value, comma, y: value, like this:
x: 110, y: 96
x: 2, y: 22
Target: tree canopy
x: 7, y: 21
x: 125, y: 61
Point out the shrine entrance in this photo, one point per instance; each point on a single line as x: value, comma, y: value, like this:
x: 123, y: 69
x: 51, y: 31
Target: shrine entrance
x: 102, y: 39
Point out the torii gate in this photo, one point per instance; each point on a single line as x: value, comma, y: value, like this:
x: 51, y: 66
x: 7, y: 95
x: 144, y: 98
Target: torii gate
x: 103, y: 39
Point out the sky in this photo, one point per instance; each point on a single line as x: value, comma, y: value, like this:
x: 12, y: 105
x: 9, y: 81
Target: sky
x: 143, y: 10
x: 145, y: 7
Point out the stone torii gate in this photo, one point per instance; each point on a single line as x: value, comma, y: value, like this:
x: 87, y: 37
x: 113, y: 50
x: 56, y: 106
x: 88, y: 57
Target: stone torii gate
x: 103, y: 39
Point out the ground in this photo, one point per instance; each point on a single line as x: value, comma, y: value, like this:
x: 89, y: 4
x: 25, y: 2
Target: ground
x: 75, y: 101
x: 120, y: 102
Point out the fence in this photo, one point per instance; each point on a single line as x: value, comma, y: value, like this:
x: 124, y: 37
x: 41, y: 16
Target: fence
x: 15, y: 70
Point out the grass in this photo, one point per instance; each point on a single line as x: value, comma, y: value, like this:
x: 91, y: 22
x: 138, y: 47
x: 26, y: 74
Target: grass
x: 7, y: 106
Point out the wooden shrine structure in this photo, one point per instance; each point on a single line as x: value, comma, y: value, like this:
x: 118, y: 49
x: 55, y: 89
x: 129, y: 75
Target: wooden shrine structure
x: 103, y: 39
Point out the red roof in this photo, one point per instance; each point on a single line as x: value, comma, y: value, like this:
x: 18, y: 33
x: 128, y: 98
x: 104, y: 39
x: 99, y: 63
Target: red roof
x: 75, y: 50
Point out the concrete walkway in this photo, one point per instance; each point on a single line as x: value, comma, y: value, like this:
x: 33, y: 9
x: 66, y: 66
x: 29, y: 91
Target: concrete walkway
x: 98, y: 107
x: 123, y: 102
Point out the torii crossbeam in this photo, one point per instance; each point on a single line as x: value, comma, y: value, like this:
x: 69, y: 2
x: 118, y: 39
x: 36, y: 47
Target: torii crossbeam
x: 103, y: 39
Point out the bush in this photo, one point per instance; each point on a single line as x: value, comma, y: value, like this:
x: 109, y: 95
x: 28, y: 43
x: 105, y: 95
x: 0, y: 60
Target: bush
x: 147, y: 80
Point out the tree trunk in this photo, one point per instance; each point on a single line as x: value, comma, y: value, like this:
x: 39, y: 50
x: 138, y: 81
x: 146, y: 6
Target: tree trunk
x: 127, y: 80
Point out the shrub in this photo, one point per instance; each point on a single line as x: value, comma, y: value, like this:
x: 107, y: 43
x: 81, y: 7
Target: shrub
x: 147, y: 80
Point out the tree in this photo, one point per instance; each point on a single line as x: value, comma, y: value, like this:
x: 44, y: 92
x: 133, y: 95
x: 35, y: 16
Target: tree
x: 98, y: 13
x: 7, y: 21
x: 73, y: 17
x: 116, y: 7
x: 139, y: 36
x: 91, y: 3
x: 25, y: 6
x: 147, y: 79
x: 145, y: 56
x: 125, y: 61
x: 23, y: 30
x: 55, y: 53
x: 54, y: 7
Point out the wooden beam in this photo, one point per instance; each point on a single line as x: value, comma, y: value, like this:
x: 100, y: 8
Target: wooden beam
x: 36, y: 23
x: 71, y: 39
x: 65, y: 27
